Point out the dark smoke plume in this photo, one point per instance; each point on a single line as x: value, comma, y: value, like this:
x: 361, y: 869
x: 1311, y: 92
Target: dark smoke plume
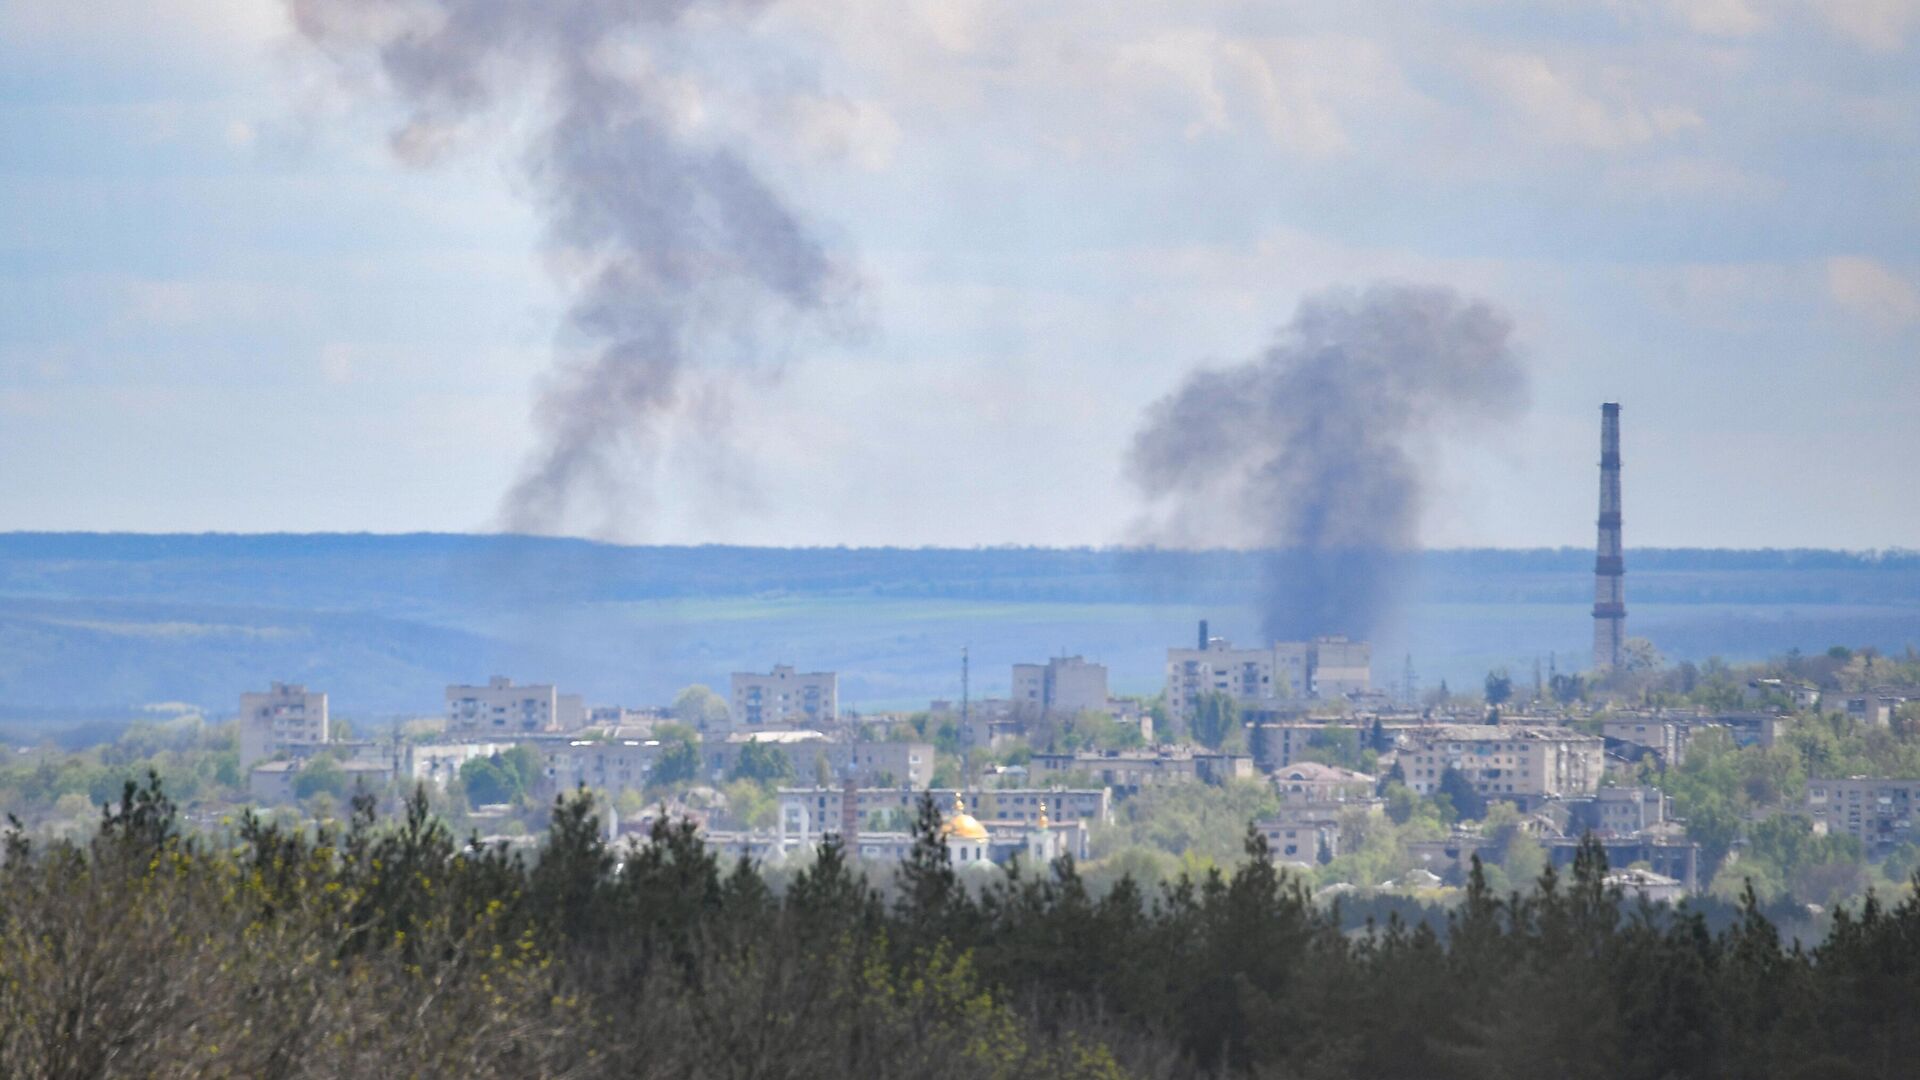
x: 678, y: 250
x: 1317, y: 451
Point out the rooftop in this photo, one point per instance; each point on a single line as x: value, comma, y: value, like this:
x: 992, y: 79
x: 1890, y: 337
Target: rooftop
x: 1502, y: 733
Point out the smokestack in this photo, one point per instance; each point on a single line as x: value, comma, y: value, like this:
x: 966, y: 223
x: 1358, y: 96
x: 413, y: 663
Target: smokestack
x: 1203, y: 635
x: 1609, y: 565
x: 850, y: 813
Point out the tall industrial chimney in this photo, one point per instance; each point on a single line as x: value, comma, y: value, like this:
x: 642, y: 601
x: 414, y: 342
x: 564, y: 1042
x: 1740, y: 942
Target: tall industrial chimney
x: 1609, y: 565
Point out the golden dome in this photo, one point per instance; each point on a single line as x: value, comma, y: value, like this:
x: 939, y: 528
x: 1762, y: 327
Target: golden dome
x: 962, y: 825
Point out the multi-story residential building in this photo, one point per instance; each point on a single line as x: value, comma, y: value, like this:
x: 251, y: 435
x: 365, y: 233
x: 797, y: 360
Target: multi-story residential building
x: 1637, y: 735
x: 1522, y: 765
x: 287, y: 719
x: 785, y: 698
x: 1312, y: 782
x: 1064, y: 686
x: 437, y: 763
x: 272, y: 782
x: 981, y: 722
x: 1246, y: 675
x: 1324, y: 668
x: 1337, y: 667
x: 1618, y: 811
x: 612, y: 766
x: 1127, y: 771
x: 1876, y: 811
x: 976, y: 834
x: 811, y: 755
x: 501, y: 708
x: 1277, y: 744
x: 1761, y: 729
x: 884, y: 764
x: 1791, y: 692
x: 1091, y: 805
x: 1874, y: 708
x: 1301, y: 841
x: 1677, y: 859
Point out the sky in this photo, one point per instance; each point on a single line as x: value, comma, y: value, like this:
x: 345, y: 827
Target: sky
x: 226, y: 304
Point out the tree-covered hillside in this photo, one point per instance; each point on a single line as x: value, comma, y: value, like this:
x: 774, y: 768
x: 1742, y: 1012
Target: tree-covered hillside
x: 382, y: 622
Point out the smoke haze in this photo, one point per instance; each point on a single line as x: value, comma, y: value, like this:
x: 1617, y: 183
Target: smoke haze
x: 676, y: 251
x: 1318, y: 450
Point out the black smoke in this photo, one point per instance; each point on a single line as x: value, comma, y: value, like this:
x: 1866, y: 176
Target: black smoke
x: 677, y: 251
x: 1319, y: 450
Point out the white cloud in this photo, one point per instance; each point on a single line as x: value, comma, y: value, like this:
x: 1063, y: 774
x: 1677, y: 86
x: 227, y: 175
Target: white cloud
x: 1295, y: 89
x: 1548, y: 99
x: 1871, y: 290
x: 178, y: 303
x: 838, y: 128
x: 129, y: 27
x: 1686, y: 177
x: 1728, y: 18
x: 1877, y: 25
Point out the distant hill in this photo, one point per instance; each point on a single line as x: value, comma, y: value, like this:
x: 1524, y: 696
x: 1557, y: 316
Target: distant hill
x: 91, y: 620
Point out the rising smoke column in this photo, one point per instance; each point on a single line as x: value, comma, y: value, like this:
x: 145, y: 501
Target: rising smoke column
x: 677, y: 250
x: 1318, y: 450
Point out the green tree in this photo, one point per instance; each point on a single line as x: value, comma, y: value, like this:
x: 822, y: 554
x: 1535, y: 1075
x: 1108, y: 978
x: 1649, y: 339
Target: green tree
x: 1499, y: 686
x: 321, y: 774
x: 699, y: 707
x: 1567, y: 689
x: 488, y: 781
x: 762, y: 763
x: 1215, y: 716
x: 1460, y: 793
x: 678, y: 763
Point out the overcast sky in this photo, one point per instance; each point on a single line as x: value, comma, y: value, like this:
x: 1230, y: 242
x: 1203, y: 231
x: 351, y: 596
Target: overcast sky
x: 224, y: 305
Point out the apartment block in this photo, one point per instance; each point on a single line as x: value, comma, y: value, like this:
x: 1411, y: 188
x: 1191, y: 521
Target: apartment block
x: 1301, y: 840
x: 1876, y: 811
x: 1324, y: 668
x: 1517, y: 764
x: 1127, y: 771
x: 809, y: 754
x: 785, y: 698
x: 1246, y: 675
x: 613, y: 766
x: 500, y: 708
x: 1310, y: 782
x: 1279, y: 744
x: 1337, y: 667
x: 1064, y: 686
x: 286, y: 719
x: 1089, y: 805
x: 1618, y: 811
x: 1874, y: 708
x: 1636, y: 735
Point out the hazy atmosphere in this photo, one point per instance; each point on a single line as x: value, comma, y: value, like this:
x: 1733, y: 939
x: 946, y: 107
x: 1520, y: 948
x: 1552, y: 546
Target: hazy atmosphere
x: 961, y: 540
x: 260, y: 274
